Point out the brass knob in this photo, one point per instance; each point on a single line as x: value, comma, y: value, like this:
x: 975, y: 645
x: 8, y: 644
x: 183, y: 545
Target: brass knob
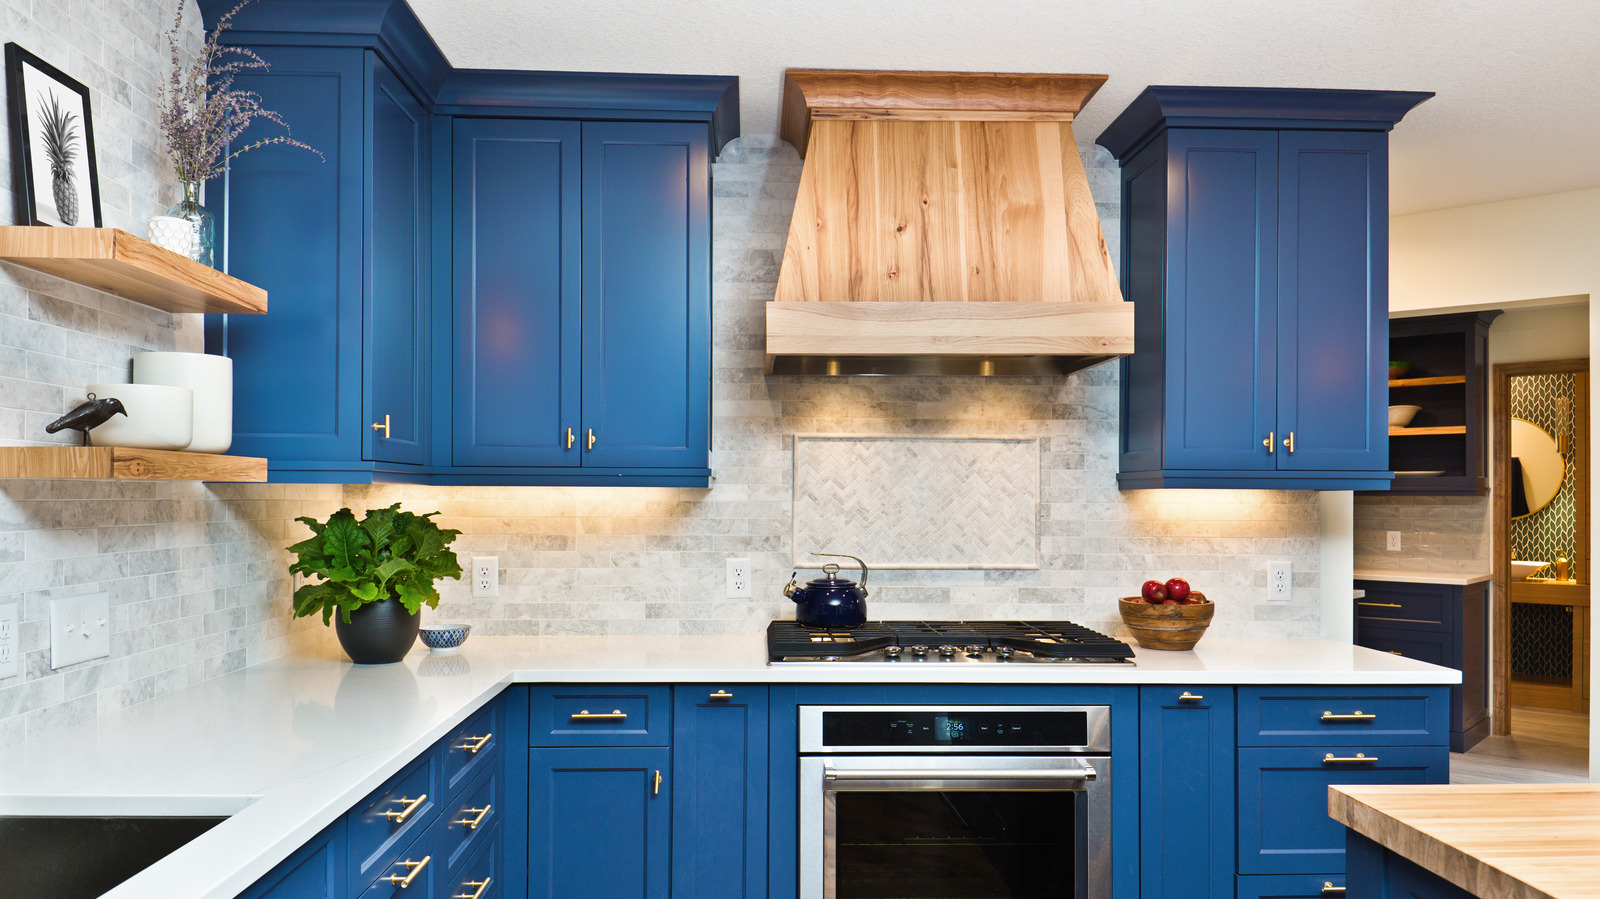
x: 382, y: 426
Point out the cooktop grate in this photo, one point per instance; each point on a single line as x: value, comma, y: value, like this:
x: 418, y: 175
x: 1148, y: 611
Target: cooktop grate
x: 1053, y: 640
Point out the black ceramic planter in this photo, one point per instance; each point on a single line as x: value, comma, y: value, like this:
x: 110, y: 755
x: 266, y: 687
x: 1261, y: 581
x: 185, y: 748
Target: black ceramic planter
x: 378, y: 633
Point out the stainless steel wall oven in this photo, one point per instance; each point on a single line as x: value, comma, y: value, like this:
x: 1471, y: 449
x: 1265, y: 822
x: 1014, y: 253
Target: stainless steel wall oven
x: 935, y: 802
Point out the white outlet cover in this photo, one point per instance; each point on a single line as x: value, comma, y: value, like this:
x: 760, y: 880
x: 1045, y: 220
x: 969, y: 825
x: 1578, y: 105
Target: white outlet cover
x: 738, y: 579
x: 1280, y: 581
x: 485, y: 577
x: 80, y: 629
x: 1392, y: 541
x: 10, y: 663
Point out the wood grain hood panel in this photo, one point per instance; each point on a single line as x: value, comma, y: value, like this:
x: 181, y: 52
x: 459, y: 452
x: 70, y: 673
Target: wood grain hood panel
x: 943, y: 225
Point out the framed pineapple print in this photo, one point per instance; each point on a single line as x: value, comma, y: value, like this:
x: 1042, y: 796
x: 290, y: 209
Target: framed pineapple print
x: 52, y: 144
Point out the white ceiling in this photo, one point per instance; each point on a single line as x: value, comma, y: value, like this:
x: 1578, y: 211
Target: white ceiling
x: 1518, y: 81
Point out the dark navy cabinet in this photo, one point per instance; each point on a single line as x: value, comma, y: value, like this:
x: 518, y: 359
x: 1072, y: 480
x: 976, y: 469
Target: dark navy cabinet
x: 1186, y: 802
x: 1255, y: 242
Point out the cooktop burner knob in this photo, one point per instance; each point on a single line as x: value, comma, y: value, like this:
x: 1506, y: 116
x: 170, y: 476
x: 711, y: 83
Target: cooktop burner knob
x: 975, y: 650
x: 919, y: 651
x: 892, y: 652
x: 1004, y: 653
x: 947, y: 651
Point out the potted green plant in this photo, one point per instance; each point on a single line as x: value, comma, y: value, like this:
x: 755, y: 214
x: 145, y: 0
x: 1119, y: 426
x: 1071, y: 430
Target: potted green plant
x: 377, y: 573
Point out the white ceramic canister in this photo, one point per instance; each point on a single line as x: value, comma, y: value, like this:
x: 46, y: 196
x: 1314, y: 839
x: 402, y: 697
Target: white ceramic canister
x: 158, y: 417
x: 211, y: 379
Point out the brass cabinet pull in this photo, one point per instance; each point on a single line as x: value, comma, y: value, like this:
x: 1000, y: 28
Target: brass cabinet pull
x: 591, y: 437
x: 416, y: 868
x: 1288, y: 443
x: 1271, y: 442
x: 1357, y: 715
x: 1357, y: 759
x: 722, y: 696
x: 613, y: 715
x: 411, y: 805
x: 473, y: 744
x: 657, y: 791
x: 1186, y: 696
x: 1328, y: 889
x: 384, y: 427
x: 472, y: 823
x: 1380, y: 605
x: 484, y: 885
x: 1395, y: 652
x: 570, y: 438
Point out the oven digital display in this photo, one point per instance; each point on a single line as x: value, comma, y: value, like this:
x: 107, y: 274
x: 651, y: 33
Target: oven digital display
x: 842, y: 729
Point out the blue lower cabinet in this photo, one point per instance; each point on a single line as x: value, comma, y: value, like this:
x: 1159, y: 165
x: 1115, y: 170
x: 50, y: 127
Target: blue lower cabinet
x: 483, y: 876
x: 390, y: 819
x: 315, y: 871
x: 1284, y: 826
x: 599, y: 822
x: 1292, y: 886
x: 1186, y: 792
x: 719, y: 769
x: 1379, y: 873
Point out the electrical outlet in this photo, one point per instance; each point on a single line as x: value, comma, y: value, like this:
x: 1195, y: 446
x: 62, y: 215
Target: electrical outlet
x: 485, y: 577
x: 1394, y: 541
x: 80, y: 629
x: 9, y: 666
x: 739, y: 578
x: 1280, y: 581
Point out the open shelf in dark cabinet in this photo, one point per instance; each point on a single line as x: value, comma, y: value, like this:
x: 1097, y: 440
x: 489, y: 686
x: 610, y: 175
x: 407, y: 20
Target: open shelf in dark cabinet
x: 1443, y: 451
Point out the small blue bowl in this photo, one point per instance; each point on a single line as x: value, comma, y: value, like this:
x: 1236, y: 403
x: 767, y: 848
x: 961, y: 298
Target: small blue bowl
x: 445, y: 637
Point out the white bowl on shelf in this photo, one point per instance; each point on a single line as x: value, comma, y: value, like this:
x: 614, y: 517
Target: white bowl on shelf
x: 211, y: 379
x: 159, y: 417
x: 1521, y: 571
x: 1400, y: 416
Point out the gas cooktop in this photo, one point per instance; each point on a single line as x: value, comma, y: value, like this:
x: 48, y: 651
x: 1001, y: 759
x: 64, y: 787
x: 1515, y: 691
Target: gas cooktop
x: 945, y: 642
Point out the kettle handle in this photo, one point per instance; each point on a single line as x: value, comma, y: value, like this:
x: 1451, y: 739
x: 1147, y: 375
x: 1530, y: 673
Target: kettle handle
x: 863, y: 584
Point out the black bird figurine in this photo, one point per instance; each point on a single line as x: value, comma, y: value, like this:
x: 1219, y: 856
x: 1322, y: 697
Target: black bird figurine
x: 88, y: 415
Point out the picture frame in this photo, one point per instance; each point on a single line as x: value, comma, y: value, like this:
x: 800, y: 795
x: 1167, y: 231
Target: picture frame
x: 53, y: 169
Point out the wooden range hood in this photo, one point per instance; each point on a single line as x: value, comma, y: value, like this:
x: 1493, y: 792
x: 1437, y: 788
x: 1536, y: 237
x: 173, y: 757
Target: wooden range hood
x: 944, y: 226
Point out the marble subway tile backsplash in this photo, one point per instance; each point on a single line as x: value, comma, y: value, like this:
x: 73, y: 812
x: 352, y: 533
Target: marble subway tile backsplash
x: 1437, y: 533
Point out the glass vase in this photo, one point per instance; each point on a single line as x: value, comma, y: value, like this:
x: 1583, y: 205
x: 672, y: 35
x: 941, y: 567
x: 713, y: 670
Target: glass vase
x: 205, y: 224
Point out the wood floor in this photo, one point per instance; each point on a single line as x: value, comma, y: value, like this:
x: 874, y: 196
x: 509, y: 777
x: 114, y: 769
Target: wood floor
x: 1545, y: 746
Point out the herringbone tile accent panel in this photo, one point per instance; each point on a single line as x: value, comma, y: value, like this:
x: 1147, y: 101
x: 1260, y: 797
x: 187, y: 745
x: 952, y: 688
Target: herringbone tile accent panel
x: 905, y: 502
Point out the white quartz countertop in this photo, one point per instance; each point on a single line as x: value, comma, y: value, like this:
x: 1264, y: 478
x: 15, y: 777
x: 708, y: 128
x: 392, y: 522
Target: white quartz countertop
x: 288, y: 746
x: 1453, y: 579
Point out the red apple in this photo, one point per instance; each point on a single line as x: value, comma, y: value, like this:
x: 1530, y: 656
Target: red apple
x: 1153, y: 591
x: 1178, y: 589
x: 1171, y: 602
x: 1195, y: 598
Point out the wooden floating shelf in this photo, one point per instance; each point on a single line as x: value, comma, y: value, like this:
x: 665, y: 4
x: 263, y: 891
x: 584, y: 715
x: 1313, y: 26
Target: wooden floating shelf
x: 1428, y: 382
x: 123, y: 464
x: 1426, y: 432
x: 115, y: 261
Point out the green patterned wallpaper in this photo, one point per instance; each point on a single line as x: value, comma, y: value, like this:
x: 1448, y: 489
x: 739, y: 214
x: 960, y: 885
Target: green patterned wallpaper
x: 1552, y: 530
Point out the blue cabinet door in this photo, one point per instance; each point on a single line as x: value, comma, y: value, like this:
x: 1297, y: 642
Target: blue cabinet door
x: 1186, y: 801
x: 1333, y: 272
x: 646, y: 295
x: 292, y: 223
x: 516, y: 271
x: 1222, y: 299
x: 397, y: 308
x: 315, y: 870
x: 719, y: 767
x: 599, y: 822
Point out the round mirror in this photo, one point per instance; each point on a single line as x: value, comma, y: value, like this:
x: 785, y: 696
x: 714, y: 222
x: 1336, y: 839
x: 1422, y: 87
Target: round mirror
x: 1537, y: 469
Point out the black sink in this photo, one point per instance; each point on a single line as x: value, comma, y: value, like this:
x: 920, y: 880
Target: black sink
x: 83, y: 857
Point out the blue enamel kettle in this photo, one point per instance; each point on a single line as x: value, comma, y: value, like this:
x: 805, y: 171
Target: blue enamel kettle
x: 830, y: 600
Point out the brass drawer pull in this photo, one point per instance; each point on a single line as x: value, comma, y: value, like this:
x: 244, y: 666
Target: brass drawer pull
x: 1379, y: 605
x: 591, y: 438
x: 1288, y: 443
x: 1328, y: 889
x: 1269, y: 442
x: 382, y: 426
x: 473, y: 823
x: 1357, y: 715
x: 722, y: 696
x: 411, y: 805
x: 1395, y: 652
x: 1186, y: 696
x: 484, y: 885
x: 416, y: 868
x: 613, y: 715
x: 657, y: 791
x: 1357, y: 759
x: 570, y: 438
x: 473, y: 744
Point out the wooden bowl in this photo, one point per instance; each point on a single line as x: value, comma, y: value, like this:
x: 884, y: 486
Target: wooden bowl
x: 1398, y: 369
x: 1166, y: 627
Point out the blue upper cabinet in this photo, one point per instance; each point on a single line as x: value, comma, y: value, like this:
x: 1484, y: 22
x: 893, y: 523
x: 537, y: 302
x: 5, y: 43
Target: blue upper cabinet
x: 1255, y: 249
x: 494, y: 278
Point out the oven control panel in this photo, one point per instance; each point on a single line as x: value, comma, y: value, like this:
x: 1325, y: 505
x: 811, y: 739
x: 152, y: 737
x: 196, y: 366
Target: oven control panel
x: 970, y: 729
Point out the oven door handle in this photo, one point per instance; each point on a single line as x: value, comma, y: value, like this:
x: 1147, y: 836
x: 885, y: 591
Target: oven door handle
x: 901, y: 779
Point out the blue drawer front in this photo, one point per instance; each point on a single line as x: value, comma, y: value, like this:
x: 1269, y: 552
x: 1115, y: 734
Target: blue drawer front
x: 417, y: 860
x: 376, y: 839
x: 482, y: 877
x: 1318, y: 715
x: 315, y: 871
x: 1406, y: 603
x: 1290, y: 886
x: 471, y: 748
x: 1284, y: 826
x: 601, y: 716
x: 465, y: 821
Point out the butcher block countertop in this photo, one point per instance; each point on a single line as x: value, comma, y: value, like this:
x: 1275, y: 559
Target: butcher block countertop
x: 1509, y: 841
